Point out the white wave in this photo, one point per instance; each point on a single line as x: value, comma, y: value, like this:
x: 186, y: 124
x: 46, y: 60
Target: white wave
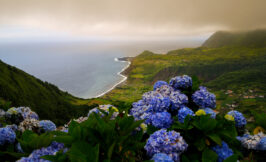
x: 120, y: 74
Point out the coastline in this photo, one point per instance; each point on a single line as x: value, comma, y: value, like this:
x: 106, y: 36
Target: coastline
x: 120, y: 74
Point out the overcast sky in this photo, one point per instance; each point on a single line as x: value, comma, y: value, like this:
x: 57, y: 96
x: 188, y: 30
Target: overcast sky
x: 133, y: 18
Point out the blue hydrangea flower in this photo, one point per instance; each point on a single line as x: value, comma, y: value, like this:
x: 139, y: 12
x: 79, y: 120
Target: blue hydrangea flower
x: 165, y: 90
x: 161, y: 120
x: 178, y: 100
x: 262, y: 144
x: 181, y: 82
x: 223, y: 151
x: 211, y: 112
x: 14, y: 127
x: 36, y: 154
x: 24, y: 111
x: 240, y: 120
x: 170, y: 143
x: 157, y: 104
x: 183, y: 112
x: 7, y: 135
x: 148, y: 96
x: 139, y: 112
x: 161, y: 157
x: 47, y: 125
x: 105, y: 108
x: 94, y: 110
x: 250, y: 141
x: 158, y: 84
x: 204, y: 99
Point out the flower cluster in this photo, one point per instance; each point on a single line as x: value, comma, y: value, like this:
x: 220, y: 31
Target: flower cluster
x: 24, y: 111
x: 161, y: 157
x: 204, y: 99
x: 253, y: 141
x: 183, y: 112
x: 47, y: 125
x: 240, y: 120
x: 29, y: 124
x: 181, y: 82
x: 222, y: 151
x: 170, y: 143
x: 105, y: 108
x: 156, y: 106
x: 7, y: 135
x: 161, y: 120
x: 158, y: 84
x: 37, y: 154
x: 262, y: 144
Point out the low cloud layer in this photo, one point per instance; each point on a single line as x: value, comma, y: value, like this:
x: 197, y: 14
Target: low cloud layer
x: 133, y: 17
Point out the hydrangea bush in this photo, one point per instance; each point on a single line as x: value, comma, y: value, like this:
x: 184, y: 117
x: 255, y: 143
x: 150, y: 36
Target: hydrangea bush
x: 173, y: 122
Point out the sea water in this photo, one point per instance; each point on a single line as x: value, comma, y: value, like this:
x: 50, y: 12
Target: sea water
x: 85, y: 69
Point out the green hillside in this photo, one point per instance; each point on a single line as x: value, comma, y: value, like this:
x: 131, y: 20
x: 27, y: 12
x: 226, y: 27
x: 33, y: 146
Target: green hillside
x: 22, y: 89
x: 256, y: 38
x: 235, y: 73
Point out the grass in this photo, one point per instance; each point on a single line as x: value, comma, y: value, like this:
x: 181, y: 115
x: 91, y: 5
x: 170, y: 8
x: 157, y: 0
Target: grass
x: 22, y: 89
x: 239, y: 69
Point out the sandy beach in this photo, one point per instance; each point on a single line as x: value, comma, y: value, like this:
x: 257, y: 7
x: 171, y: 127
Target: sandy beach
x: 124, y: 78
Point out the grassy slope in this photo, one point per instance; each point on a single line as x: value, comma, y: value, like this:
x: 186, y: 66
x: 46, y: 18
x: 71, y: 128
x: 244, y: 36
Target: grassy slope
x: 46, y: 99
x: 237, y: 68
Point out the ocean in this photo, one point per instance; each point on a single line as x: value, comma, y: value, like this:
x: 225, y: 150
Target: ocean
x: 85, y: 69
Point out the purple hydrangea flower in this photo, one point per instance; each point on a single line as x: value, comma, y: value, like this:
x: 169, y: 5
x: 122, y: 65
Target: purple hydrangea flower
x: 178, y: 100
x: 7, y: 135
x: 183, y: 112
x: 181, y: 82
x: 211, y: 112
x: 170, y: 143
x: 240, y: 120
x: 223, y: 151
x: 158, y: 84
x: 262, y: 144
x: 204, y: 99
x: 161, y: 157
x: 36, y: 155
x: 47, y: 125
x: 161, y: 120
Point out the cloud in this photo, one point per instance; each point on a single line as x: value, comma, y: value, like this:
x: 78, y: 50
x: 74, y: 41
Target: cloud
x: 134, y: 17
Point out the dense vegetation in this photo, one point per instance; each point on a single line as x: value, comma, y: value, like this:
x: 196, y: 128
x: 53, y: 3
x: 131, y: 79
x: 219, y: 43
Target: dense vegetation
x: 235, y: 73
x: 173, y: 122
x: 254, y: 38
x: 18, y: 88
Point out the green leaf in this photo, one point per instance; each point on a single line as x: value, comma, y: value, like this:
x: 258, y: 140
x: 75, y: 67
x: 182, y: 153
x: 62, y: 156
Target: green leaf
x: 83, y: 152
x: 110, y: 151
x: 209, y: 155
x: 64, y: 139
x: 215, y: 138
x: 232, y: 158
x: 200, y: 144
x: 184, y: 158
